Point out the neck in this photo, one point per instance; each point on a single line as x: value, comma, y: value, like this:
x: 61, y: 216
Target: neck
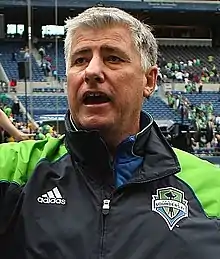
x: 114, y: 138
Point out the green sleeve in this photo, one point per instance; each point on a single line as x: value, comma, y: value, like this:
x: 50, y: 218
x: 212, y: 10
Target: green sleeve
x: 18, y: 160
x: 204, y: 180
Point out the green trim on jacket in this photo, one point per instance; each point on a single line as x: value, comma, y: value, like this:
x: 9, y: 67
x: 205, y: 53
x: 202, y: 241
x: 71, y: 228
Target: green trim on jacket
x: 203, y: 178
x: 18, y: 160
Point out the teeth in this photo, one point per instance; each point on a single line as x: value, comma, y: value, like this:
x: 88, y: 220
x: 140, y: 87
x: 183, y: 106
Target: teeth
x: 94, y: 94
x: 90, y: 98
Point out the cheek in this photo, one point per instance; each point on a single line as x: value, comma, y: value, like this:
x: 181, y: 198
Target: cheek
x: 71, y: 80
x: 130, y: 86
x: 70, y: 91
x: 74, y: 81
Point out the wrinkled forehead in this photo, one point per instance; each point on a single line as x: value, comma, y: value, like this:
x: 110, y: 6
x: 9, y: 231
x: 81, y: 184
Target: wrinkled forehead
x: 119, y: 36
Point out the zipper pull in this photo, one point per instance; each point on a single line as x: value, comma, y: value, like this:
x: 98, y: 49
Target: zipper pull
x: 106, y: 207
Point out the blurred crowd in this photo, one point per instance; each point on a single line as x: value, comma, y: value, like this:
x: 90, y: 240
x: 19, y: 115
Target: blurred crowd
x: 47, y: 63
x: 201, y: 117
x: 185, y: 71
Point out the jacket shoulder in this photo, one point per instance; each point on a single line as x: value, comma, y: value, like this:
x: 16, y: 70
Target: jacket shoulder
x: 18, y: 160
x: 204, y: 180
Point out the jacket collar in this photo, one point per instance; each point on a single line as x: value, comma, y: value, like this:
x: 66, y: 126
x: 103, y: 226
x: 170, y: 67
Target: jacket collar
x: 89, y: 150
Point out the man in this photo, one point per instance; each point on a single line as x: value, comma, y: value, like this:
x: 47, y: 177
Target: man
x: 112, y: 187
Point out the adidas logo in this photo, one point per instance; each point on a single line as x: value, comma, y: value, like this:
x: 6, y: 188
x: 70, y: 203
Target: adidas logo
x: 52, y: 197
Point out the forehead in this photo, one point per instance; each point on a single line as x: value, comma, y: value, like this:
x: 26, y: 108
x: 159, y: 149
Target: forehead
x: 118, y: 36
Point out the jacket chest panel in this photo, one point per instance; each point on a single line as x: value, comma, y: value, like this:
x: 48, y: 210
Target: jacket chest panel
x: 143, y: 234
x: 57, y: 219
x: 132, y: 231
x: 77, y: 228
x: 144, y: 220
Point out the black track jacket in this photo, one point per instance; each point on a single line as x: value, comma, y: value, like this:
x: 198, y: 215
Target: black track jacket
x: 59, y: 201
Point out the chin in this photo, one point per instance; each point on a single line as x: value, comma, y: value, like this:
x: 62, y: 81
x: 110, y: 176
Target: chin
x: 95, y: 124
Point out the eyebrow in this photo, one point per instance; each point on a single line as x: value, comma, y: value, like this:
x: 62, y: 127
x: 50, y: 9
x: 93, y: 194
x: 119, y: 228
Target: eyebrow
x: 114, y: 50
x: 104, y: 48
x: 81, y: 51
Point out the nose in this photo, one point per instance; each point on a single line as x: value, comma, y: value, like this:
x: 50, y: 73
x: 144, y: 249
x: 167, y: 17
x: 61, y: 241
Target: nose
x: 94, y: 71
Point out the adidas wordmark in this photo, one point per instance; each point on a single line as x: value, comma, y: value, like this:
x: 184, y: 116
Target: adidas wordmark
x: 52, y: 197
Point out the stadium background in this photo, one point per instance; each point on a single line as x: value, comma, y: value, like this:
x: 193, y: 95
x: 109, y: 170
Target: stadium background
x: 186, y: 104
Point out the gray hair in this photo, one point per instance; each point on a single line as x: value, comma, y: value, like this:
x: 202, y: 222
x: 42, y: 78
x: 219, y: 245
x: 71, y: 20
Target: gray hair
x: 103, y: 17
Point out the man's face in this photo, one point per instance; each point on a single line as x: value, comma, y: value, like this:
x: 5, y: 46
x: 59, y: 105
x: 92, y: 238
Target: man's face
x: 105, y: 81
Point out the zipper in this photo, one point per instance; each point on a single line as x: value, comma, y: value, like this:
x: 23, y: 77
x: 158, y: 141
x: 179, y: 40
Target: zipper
x: 107, y: 202
x: 105, y: 207
x: 105, y: 212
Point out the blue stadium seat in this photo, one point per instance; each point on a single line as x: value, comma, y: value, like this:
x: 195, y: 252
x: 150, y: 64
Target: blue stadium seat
x: 11, y: 67
x: 198, y: 98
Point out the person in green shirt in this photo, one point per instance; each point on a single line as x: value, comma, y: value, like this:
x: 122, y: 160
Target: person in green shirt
x: 7, y: 111
x: 3, y: 98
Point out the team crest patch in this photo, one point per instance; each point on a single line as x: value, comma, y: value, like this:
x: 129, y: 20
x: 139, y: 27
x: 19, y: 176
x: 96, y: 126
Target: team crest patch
x: 170, y: 203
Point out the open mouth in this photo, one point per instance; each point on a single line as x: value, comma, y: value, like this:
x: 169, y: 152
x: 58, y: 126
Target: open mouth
x: 95, y: 98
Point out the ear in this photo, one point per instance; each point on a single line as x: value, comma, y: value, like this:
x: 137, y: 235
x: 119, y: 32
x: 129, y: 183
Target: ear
x: 151, y: 81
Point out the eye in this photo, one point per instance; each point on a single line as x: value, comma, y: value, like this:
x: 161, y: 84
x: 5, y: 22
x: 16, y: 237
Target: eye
x: 114, y: 59
x: 80, y: 61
